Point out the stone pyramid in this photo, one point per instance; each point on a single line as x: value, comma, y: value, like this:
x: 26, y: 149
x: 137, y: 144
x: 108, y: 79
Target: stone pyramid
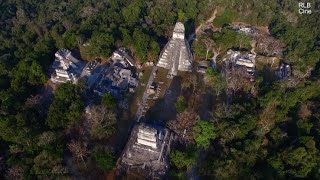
x: 176, y: 55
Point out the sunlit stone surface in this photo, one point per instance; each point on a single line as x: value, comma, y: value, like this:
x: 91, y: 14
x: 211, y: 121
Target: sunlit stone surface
x: 176, y: 55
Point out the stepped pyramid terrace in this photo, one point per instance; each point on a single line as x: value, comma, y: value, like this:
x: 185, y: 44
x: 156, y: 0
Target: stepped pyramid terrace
x: 176, y: 55
x: 66, y: 67
x: 147, y: 149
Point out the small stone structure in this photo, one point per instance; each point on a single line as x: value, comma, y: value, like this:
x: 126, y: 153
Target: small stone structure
x: 241, y: 28
x: 152, y: 89
x: 123, y: 54
x: 147, y: 150
x: 284, y: 71
x: 202, y: 66
x: 176, y: 55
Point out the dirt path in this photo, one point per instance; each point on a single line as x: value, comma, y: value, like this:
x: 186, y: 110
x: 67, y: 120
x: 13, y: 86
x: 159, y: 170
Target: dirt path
x: 198, y: 29
x: 145, y: 96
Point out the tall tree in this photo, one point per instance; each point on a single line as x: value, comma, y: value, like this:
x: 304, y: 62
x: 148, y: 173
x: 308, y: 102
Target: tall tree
x: 66, y: 108
x: 203, y: 133
x: 103, y: 122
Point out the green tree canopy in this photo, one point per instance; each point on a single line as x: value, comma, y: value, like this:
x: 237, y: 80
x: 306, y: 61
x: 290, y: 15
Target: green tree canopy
x: 104, y: 159
x: 297, y: 162
x: 181, y: 104
x: 141, y: 44
x: 131, y: 13
x: 66, y: 108
x: 226, y: 39
x: 27, y: 73
x: 215, y: 80
x: 203, y: 133
x: 108, y: 101
x: 226, y: 17
x: 182, y: 160
x: 100, y: 44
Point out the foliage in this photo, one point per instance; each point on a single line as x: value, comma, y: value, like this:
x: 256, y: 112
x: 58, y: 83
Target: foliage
x: 66, y: 108
x: 296, y: 161
x: 182, y: 160
x: 181, y: 104
x: 103, y: 123
x: 46, y: 165
x: 177, y: 174
x: 243, y: 40
x: 108, y: 101
x: 26, y: 73
x: 182, y: 126
x: 100, y: 44
x: 203, y: 133
x: 199, y: 49
x: 226, y: 17
x: 146, y: 48
x: 190, y: 81
x: 274, y: 134
x: 215, y: 80
x: 31, y: 34
x: 104, y: 159
x: 226, y: 39
x: 302, y: 50
x: 211, y: 72
x: 141, y: 44
x: 132, y: 12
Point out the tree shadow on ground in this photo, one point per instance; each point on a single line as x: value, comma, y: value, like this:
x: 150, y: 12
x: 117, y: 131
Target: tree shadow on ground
x: 268, y: 74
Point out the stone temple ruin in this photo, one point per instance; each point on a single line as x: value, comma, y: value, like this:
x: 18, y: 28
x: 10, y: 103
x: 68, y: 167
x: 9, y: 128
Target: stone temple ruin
x: 242, y: 59
x: 147, y: 150
x: 66, y: 67
x: 176, y: 55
